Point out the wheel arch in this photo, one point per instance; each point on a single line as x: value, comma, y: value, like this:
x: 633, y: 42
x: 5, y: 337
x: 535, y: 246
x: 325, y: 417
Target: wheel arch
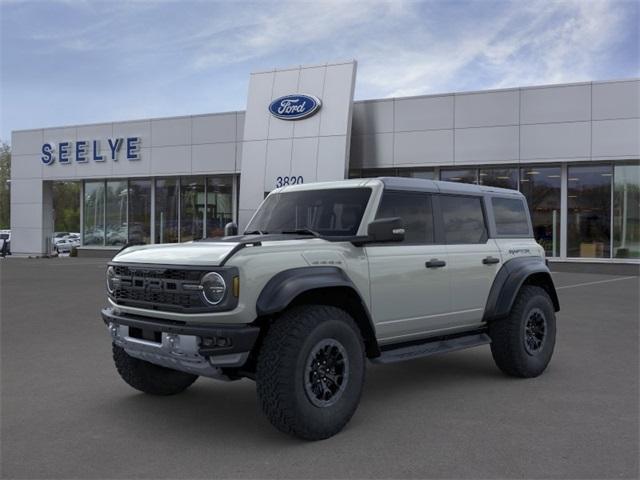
x: 318, y: 285
x: 513, y: 275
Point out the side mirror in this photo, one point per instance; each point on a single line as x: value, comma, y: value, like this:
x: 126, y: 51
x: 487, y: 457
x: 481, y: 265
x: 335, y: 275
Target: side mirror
x: 386, y: 230
x: 230, y: 229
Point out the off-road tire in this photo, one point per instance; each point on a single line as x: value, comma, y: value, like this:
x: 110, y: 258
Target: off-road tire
x: 150, y: 378
x: 282, y: 371
x: 508, y: 335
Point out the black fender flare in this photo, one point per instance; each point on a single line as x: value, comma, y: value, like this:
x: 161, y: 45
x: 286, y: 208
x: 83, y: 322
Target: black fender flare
x: 508, y: 281
x: 283, y: 287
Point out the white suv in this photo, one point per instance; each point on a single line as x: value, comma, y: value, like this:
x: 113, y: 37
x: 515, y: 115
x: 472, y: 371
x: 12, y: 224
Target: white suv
x: 329, y: 275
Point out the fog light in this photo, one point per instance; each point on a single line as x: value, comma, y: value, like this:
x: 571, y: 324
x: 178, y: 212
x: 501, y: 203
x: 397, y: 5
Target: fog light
x: 215, y: 342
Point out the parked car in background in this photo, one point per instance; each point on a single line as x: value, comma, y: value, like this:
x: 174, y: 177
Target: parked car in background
x: 5, y: 242
x: 64, y: 245
x: 58, y: 236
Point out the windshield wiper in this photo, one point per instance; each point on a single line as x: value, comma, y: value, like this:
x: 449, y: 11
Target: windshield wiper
x: 302, y: 231
x: 255, y: 232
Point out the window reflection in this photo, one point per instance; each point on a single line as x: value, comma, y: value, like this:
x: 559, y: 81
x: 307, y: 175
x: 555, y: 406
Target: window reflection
x: 589, y: 211
x: 219, y: 205
x: 93, y: 225
x: 626, y: 211
x: 167, y: 193
x: 426, y: 173
x: 457, y: 175
x: 140, y: 211
x: 116, y: 212
x: 541, y: 188
x: 499, y: 177
x: 191, y: 208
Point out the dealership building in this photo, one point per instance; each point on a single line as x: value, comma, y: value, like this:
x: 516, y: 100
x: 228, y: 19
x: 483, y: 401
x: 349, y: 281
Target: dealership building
x: 573, y: 150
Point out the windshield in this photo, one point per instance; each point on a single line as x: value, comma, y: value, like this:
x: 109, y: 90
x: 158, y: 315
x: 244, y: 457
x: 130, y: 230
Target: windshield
x: 332, y: 212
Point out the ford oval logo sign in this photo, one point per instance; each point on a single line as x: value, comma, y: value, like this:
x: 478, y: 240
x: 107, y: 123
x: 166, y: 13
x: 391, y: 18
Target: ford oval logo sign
x: 294, y: 107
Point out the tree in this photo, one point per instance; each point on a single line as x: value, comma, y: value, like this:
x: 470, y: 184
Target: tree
x: 5, y: 186
x: 66, y: 204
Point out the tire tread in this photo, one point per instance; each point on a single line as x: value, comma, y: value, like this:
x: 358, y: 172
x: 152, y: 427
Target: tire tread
x: 278, y: 357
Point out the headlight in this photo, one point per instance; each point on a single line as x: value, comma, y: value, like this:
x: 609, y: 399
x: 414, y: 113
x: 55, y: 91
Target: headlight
x: 213, y: 287
x: 111, y: 275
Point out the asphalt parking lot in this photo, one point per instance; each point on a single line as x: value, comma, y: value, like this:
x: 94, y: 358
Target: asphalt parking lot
x: 66, y: 414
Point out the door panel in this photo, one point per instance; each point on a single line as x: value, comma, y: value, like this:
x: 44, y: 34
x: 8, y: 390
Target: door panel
x: 471, y: 279
x: 407, y: 298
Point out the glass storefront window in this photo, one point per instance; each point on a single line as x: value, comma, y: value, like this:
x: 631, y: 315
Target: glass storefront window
x: 116, y: 218
x: 93, y: 224
x: 140, y: 211
x: 219, y: 204
x: 457, y: 175
x: 505, y: 177
x: 626, y: 211
x: 426, y: 173
x: 377, y: 172
x: 541, y: 188
x: 589, y: 211
x: 192, y: 208
x: 167, y: 194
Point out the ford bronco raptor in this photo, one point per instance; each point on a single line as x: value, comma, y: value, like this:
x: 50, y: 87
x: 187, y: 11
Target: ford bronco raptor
x: 325, y: 277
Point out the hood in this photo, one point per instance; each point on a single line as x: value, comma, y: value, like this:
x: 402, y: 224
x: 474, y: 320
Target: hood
x: 208, y: 252
x: 196, y: 253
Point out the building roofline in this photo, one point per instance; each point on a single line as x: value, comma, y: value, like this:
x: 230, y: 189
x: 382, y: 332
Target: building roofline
x: 499, y: 90
x: 368, y: 100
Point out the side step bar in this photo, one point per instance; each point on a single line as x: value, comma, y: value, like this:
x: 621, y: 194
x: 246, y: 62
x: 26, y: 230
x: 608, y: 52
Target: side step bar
x: 432, y: 347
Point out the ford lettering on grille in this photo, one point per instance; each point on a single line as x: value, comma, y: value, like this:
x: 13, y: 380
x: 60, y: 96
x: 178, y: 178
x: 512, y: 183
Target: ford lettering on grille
x: 294, y: 107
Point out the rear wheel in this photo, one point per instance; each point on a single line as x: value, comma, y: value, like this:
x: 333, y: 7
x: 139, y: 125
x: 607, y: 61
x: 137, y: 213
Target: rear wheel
x: 148, y: 377
x: 311, y: 371
x: 522, y: 344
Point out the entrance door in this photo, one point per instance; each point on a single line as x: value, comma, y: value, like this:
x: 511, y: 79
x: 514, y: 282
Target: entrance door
x: 410, y: 282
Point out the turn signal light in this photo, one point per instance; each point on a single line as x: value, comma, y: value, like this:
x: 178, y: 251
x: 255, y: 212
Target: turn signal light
x: 236, y: 287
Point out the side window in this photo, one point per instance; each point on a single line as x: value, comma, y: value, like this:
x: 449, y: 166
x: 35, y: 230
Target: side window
x: 415, y: 211
x: 510, y: 215
x: 463, y: 219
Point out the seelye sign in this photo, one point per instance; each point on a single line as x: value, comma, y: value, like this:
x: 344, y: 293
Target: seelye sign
x: 295, y: 107
x: 84, y: 150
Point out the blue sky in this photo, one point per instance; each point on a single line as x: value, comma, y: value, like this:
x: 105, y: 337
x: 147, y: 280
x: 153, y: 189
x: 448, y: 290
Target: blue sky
x: 73, y: 62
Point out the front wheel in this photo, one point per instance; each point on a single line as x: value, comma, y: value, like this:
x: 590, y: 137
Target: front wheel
x: 311, y: 371
x: 522, y: 344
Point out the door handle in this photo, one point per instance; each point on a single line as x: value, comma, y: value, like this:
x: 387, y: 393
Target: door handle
x: 435, y: 263
x: 490, y: 260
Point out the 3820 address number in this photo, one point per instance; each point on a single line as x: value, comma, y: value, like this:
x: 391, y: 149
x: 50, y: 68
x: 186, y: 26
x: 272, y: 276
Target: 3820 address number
x: 284, y: 181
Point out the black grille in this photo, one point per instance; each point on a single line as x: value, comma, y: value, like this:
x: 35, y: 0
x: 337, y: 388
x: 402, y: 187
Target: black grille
x: 158, y: 288
x: 164, y: 273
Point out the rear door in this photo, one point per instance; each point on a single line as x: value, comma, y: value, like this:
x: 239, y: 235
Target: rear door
x: 409, y: 281
x: 474, y: 258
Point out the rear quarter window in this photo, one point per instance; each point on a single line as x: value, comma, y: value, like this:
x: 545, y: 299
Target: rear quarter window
x: 510, y: 215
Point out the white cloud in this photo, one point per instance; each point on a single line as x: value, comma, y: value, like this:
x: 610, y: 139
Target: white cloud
x: 410, y: 48
x: 282, y: 27
x: 534, y: 43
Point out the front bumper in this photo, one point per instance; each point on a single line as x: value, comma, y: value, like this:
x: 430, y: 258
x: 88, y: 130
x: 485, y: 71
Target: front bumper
x: 201, y: 350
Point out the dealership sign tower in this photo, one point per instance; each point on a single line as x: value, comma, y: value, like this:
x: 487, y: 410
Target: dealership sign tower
x: 294, y: 140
